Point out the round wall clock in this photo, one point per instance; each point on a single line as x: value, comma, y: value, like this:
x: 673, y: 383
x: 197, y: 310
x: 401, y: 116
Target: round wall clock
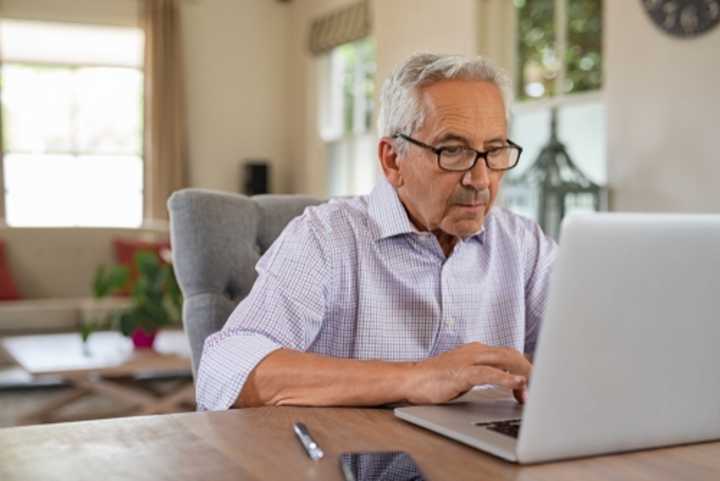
x: 684, y: 18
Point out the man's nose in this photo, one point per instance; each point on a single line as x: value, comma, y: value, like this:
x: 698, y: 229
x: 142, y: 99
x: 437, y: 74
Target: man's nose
x: 478, y: 177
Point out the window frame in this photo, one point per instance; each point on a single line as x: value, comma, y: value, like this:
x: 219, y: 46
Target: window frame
x: 72, y: 152
x: 332, y: 130
x: 561, y: 99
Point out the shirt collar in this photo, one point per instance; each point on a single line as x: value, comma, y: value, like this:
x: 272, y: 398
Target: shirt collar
x: 390, y: 217
x: 388, y: 212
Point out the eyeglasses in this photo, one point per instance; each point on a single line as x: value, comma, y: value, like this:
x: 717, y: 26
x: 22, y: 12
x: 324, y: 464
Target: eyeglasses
x: 457, y: 158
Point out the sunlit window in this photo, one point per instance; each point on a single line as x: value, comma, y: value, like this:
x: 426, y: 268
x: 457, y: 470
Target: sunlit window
x: 559, y: 47
x: 72, y: 124
x: 347, y: 92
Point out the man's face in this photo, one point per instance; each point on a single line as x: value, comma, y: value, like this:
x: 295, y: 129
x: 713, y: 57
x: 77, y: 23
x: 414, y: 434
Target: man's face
x: 457, y: 113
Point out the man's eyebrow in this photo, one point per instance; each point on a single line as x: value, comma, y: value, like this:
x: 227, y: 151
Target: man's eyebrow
x: 496, y: 140
x: 451, y: 136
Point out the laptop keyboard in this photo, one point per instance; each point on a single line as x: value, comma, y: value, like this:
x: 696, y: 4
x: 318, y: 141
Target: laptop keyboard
x: 511, y: 427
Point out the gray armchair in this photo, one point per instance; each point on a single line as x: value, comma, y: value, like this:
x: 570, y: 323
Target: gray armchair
x: 217, y: 238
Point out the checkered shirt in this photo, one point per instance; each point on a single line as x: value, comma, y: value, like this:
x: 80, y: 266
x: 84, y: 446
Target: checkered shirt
x: 353, y: 278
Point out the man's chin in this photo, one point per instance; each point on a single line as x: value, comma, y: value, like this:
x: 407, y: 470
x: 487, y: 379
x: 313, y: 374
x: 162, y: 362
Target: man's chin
x: 464, y: 221
x: 464, y: 228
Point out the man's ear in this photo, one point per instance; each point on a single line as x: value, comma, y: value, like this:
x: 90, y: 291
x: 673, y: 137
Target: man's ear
x: 389, y: 162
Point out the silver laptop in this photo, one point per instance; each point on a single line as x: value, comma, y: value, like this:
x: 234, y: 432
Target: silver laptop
x: 629, y: 352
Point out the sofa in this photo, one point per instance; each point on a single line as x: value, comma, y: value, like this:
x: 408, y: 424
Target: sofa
x: 53, y: 270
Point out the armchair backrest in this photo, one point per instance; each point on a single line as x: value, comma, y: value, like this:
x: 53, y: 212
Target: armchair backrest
x: 217, y: 238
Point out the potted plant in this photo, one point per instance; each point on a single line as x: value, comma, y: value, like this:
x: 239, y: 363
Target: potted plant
x: 155, y: 297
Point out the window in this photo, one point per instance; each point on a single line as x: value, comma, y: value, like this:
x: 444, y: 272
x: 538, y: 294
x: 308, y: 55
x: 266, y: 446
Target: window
x: 559, y: 47
x: 559, y: 65
x: 72, y: 124
x: 346, y: 117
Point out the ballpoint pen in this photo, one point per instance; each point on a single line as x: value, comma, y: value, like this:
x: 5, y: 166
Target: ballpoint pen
x: 311, y: 447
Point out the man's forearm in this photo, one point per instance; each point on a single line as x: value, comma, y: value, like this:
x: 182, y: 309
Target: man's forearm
x: 287, y: 377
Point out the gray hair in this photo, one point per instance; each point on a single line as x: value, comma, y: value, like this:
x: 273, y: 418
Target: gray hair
x: 400, y: 109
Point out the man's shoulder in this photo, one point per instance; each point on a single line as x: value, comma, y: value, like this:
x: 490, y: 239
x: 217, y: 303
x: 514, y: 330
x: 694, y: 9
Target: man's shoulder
x: 505, y: 221
x: 337, y: 216
x: 508, y: 228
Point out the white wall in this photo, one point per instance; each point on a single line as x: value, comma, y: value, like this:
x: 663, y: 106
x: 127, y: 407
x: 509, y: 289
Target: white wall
x: 237, y: 68
x: 663, y: 114
x: 403, y: 27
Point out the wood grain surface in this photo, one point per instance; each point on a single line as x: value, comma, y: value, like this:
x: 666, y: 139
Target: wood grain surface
x: 259, y: 444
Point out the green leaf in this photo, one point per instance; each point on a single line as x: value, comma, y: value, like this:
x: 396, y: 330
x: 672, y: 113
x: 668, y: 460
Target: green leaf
x: 110, y: 280
x: 156, y: 296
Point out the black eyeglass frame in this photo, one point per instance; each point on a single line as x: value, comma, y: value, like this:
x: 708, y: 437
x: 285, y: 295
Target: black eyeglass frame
x: 478, y: 154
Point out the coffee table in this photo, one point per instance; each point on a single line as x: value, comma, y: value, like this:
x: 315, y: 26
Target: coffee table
x: 107, y: 365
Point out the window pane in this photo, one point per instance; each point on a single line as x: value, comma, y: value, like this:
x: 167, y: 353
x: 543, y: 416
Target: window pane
x: 109, y: 110
x: 346, y: 118
x: 539, y: 61
x: 538, y: 65
x: 364, y: 86
x: 37, y: 108
x: 62, y: 190
x: 582, y: 127
x: 347, y: 103
x: 72, y: 125
x: 352, y: 168
x: 531, y: 130
x: 583, y: 58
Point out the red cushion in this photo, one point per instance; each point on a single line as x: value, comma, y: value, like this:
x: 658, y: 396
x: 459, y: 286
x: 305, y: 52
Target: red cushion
x: 125, y: 250
x: 8, y: 291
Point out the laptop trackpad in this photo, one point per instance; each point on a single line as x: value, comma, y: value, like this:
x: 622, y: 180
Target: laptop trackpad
x: 486, y: 405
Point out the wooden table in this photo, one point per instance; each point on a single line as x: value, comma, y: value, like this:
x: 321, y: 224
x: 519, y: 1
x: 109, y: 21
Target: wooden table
x: 255, y: 444
x: 103, y: 366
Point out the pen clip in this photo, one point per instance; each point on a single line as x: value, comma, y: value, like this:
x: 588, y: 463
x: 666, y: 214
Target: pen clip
x: 311, y: 447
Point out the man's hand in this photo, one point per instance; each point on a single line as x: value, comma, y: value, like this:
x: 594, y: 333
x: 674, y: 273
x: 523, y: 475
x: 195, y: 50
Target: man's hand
x: 447, y: 376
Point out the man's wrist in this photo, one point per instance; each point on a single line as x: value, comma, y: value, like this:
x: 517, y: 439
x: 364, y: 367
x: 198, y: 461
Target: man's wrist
x: 407, y: 381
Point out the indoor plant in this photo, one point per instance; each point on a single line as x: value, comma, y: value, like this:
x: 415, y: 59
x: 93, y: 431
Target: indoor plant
x: 156, y: 300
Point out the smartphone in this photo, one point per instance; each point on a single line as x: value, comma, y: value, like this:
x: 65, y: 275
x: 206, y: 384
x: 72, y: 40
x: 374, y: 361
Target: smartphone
x: 380, y: 466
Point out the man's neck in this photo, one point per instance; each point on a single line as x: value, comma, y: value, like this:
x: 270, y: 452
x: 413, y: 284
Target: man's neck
x: 447, y: 242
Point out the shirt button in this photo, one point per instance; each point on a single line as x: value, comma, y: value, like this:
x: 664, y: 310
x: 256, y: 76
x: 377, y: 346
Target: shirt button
x: 449, y: 323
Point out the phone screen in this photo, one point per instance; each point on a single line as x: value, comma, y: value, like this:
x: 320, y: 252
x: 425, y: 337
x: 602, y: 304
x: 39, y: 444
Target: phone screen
x: 380, y: 466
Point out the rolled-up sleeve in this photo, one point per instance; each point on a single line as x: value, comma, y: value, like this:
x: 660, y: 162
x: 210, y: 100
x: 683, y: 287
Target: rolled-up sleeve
x: 285, y: 308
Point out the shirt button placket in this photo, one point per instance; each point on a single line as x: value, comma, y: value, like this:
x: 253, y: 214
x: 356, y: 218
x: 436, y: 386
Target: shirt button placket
x: 448, y: 321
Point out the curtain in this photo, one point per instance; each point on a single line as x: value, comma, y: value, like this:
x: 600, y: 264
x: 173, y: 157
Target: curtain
x: 344, y: 25
x: 166, y: 155
x: 3, y: 215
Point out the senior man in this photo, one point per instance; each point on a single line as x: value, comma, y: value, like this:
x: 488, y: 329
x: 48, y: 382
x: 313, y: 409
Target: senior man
x: 414, y: 293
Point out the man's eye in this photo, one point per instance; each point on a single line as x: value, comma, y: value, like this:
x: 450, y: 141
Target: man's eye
x: 496, y: 152
x: 453, y: 150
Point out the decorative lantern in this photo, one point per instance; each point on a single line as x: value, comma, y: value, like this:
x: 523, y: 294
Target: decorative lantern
x: 554, y: 186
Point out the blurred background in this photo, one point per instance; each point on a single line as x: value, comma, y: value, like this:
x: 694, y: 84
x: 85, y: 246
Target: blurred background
x: 108, y: 106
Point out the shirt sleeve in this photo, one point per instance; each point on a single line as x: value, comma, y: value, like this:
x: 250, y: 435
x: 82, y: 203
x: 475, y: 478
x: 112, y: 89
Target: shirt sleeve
x: 540, y: 253
x: 285, y: 308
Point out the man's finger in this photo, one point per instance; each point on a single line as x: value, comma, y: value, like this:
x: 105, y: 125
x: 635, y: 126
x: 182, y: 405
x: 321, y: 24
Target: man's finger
x: 505, y: 359
x: 475, y: 375
x: 521, y: 395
